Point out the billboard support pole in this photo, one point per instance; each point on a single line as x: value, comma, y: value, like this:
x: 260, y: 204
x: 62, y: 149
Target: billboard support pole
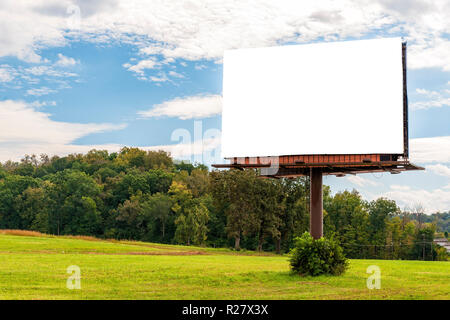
x: 316, y: 204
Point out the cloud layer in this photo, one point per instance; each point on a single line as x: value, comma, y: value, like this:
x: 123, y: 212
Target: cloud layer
x: 429, y: 150
x: 24, y: 130
x: 193, y: 107
x: 203, y: 29
x: 432, y: 200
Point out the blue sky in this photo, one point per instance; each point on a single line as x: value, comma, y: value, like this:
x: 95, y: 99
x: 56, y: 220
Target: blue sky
x: 76, y: 75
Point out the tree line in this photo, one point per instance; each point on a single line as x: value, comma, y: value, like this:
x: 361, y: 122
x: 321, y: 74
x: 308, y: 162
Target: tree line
x: 145, y: 195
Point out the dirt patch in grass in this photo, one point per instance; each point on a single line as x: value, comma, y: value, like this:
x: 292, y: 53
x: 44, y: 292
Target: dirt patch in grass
x: 32, y: 252
x: 143, y: 244
x: 87, y: 238
x: 313, y: 283
x: 138, y: 253
x: 28, y: 233
x: 152, y: 253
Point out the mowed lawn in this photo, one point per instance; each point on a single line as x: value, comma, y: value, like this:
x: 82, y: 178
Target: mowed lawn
x: 35, y: 267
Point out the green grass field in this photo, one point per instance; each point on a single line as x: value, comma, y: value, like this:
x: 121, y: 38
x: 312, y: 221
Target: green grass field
x: 34, y: 267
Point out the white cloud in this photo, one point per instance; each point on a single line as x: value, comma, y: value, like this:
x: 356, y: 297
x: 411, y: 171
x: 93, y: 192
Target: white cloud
x: 199, y: 151
x: 360, y: 181
x: 187, y: 150
x: 432, y: 200
x: 152, y: 64
x: 64, y: 61
x: 193, y: 107
x: 47, y: 71
x: 439, y: 169
x: 39, y: 104
x: 396, y: 187
x: 432, y: 53
x: 435, y: 99
x: 21, y: 76
x: 203, y: 29
x: 141, y: 66
x: 428, y: 93
x: 61, y: 150
x: 40, y: 91
x: 429, y: 150
x: 200, y: 67
x: 22, y: 29
x: 162, y: 77
x: 5, y: 75
x: 175, y: 74
x: 436, y: 103
x: 37, y: 71
x: 24, y: 130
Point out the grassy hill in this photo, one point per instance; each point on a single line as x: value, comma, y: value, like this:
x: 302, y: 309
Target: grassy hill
x: 33, y: 266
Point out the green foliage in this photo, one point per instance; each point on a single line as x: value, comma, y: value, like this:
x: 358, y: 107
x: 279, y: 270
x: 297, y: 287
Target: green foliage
x: 137, y: 158
x: 316, y: 257
x: 347, y: 219
x: 380, y: 211
x: 201, y: 218
x: 234, y: 193
x: 29, y: 205
x: 158, y: 206
x: 11, y: 187
x: 295, y: 217
x: 441, y: 253
x: 192, y: 225
x: 423, y: 248
x: 74, y: 196
x: 144, y: 195
x: 440, y: 220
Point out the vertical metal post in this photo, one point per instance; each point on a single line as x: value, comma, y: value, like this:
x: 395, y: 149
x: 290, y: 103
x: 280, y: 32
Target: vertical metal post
x: 405, y: 105
x: 316, y: 204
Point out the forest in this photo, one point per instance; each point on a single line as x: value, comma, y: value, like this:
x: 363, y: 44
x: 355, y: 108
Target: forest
x: 146, y: 195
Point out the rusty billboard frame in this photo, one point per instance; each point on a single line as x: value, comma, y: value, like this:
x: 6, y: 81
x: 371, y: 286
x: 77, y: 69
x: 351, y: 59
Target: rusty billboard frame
x: 382, y: 162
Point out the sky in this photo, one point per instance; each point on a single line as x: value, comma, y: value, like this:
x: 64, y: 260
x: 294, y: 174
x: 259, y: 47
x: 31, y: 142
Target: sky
x: 82, y: 74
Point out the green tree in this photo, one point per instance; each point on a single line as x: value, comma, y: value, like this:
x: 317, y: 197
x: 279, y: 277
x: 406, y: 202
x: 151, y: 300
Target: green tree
x: 201, y: 218
x: 380, y: 211
x: 198, y: 182
x: 11, y: 187
x: 184, y: 231
x: 131, y: 219
x: 159, y: 207
x: 131, y: 157
x: 73, y: 209
x: 233, y: 191
x: 423, y: 248
x: 33, y: 209
x: 158, y: 160
x: 192, y: 225
x: 295, y: 218
x: 347, y: 219
x: 158, y: 180
x: 269, y: 207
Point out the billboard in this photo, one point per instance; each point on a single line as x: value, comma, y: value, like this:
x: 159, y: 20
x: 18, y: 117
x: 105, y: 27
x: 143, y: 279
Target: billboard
x: 325, y: 98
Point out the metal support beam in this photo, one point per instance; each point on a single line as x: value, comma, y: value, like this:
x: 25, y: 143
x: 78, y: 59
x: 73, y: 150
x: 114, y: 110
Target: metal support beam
x: 316, y: 204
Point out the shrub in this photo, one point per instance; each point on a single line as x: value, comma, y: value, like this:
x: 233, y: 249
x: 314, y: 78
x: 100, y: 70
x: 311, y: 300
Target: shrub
x: 316, y: 257
x: 441, y: 253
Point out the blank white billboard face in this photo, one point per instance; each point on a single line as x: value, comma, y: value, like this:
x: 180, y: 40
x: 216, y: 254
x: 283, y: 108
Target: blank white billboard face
x: 326, y: 98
